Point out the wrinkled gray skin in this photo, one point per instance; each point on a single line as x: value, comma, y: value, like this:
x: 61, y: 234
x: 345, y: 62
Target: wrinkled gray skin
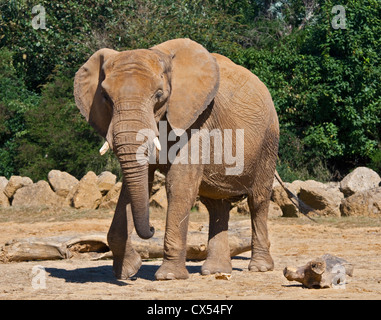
x: 323, y: 272
x: 179, y: 81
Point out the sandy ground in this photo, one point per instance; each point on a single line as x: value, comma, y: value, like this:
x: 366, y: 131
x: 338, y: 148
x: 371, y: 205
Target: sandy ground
x: 293, y: 243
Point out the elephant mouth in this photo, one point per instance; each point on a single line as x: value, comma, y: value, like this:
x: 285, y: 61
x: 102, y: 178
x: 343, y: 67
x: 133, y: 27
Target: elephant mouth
x: 106, y: 146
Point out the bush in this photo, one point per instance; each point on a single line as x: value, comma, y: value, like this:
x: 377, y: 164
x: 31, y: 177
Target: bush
x: 325, y: 86
x: 325, y: 83
x: 59, y: 137
x: 375, y: 162
x: 15, y: 100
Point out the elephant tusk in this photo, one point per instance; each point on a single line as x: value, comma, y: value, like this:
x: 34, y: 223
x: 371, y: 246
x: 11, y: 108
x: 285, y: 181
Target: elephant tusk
x: 104, y: 148
x: 157, y: 143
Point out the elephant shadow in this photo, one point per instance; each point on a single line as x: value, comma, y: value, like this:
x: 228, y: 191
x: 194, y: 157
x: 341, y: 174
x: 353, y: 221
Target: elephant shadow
x: 105, y: 274
x: 85, y: 275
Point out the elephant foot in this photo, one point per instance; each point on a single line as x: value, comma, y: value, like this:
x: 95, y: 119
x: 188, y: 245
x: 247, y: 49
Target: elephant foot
x: 126, y: 266
x: 212, y: 266
x: 261, y: 263
x: 171, y: 271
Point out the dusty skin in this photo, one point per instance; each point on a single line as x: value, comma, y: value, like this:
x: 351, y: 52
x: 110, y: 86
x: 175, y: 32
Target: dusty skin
x: 294, y: 241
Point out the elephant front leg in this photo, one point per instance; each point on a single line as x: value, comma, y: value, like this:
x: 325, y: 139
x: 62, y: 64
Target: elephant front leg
x: 182, y: 187
x: 126, y: 261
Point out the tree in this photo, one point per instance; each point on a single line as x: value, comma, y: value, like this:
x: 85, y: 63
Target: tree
x: 325, y: 85
x: 15, y: 100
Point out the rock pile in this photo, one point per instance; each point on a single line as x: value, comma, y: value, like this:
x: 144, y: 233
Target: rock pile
x: 62, y: 190
x: 359, y: 193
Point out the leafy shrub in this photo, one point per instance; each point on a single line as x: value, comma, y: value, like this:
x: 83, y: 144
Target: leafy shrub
x: 15, y: 100
x: 59, y: 137
x: 325, y: 83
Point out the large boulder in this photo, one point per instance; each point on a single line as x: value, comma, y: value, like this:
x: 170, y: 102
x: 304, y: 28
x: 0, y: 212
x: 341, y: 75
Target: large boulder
x: 110, y: 200
x: 4, y: 201
x: 159, y: 193
x: 36, y: 195
x: 62, y: 182
x: 326, y: 201
x: 279, y: 196
x: 3, y: 182
x: 324, y: 198
x: 360, y: 179
x: 15, y: 183
x: 159, y: 199
x: 87, y: 194
x: 242, y: 207
x: 363, y: 203
x: 158, y: 182
x: 106, y: 180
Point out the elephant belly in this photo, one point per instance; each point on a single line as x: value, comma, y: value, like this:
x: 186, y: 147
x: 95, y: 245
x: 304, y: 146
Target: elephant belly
x: 217, y: 185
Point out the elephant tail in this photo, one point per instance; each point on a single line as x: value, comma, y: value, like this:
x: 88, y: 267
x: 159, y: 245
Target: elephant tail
x: 303, y: 208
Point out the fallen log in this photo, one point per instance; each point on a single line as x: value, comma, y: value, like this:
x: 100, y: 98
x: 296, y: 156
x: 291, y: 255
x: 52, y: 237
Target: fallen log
x: 95, y: 246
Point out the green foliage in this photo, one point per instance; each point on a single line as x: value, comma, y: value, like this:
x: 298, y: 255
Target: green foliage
x: 375, y: 162
x: 39, y: 52
x: 15, y: 100
x: 325, y: 83
x: 59, y: 137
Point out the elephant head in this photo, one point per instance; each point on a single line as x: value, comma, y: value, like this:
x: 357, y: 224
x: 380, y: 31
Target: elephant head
x: 121, y: 93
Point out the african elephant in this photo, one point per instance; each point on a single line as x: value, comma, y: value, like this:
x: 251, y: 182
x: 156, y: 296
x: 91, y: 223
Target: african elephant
x: 180, y: 83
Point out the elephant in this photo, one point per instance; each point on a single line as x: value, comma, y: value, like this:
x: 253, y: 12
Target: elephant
x: 183, y: 85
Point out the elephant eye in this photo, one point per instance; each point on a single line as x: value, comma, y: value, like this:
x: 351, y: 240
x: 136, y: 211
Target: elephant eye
x: 159, y: 93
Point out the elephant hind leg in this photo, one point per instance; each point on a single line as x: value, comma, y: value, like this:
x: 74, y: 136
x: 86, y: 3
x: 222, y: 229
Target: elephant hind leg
x: 218, y: 257
x: 259, y: 202
x: 260, y: 247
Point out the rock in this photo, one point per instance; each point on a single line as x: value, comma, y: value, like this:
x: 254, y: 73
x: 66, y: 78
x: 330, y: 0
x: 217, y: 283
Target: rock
x: 3, y: 183
x: 62, y: 182
x: 279, y: 196
x: 275, y: 211
x: 159, y: 199
x: 316, y: 195
x: 106, y: 180
x: 87, y: 194
x: 110, y: 200
x: 364, y: 203
x: 4, y: 201
x: 240, y: 207
x: 158, y: 182
x: 360, y: 179
x: 15, y: 183
x: 36, y: 195
x: 325, y: 199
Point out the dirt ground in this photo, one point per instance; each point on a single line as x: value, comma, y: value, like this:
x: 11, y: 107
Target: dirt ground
x: 294, y: 241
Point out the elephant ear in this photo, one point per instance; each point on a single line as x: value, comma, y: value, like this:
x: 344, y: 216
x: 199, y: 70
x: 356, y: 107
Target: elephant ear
x: 87, y: 91
x: 194, y: 81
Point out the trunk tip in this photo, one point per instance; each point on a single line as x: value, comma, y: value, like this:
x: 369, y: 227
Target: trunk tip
x: 146, y: 234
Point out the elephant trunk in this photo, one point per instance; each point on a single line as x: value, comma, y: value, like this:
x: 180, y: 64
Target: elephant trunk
x: 126, y: 126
